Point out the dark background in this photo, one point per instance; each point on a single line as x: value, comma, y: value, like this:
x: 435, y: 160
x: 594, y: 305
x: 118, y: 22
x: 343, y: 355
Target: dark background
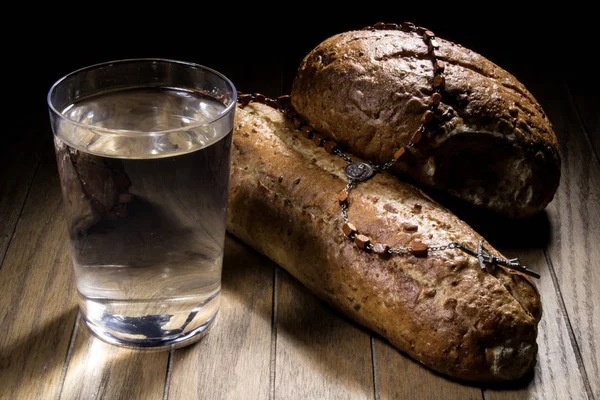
x: 257, y: 46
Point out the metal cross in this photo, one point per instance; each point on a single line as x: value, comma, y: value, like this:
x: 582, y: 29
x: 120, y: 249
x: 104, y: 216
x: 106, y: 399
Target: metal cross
x: 485, y: 257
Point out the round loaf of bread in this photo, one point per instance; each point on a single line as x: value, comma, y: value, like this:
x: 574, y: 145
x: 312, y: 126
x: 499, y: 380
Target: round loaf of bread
x: 492, y: 145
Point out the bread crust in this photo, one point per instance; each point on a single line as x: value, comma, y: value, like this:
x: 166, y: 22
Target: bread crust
x: 442, y: 310
x: 495, y: 147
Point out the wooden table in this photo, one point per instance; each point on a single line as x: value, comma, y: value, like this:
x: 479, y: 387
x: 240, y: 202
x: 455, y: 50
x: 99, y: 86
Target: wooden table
x: 274, y: 339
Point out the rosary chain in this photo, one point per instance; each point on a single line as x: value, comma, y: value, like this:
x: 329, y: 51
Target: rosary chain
x: 350, y: 231
x: 355, y: 171
x: 344, y: 211
x: 283, y: 103
x: 338, y: 152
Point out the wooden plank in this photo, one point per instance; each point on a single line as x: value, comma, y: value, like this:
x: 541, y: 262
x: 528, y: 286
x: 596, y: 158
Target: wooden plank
x: 400, y: 377
x: 98, y: 369
x: 557, y: 374
x: 38, y: 306
x: 587, y: 102
x: 233, y: 361
x: 18, y: 162
x: 320, y: 354
x: 574, y: 216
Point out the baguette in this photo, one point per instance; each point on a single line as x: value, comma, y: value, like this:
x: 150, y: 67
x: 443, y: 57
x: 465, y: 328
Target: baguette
x: 443, y: 310
x: 494, y: 146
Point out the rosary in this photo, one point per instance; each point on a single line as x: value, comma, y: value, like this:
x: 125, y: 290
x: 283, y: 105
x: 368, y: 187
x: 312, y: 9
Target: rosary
x: 357, y: 172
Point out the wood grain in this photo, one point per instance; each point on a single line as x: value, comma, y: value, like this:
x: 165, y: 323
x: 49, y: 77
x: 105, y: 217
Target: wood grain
x: 18, y: 162
x: 232, y: 361
x: 320, y: 355
x: 97, y: 369
x: 38, y: 295
x: 574, y: 214
x: 587, y: 102
x: 557, y: 374
x: 400, y: 377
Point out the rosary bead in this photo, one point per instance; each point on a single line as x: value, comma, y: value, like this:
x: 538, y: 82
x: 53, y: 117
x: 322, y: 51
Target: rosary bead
x: 362, y: 241
x: 308, y: 130
x: 433, y: 45
x: 408, y: 26
x: 244, y: 99
x: 318, y: 139
x: 284, y: 100
x: 419, y: 249
x: 399, y: 153
x: 380, y: 248
x: 330, y: 146
x: 439, y: 66
x: 416, y: 137
x: 439, y: 81
x: 271, y: 103
x: 348, y: 229
x: 427, y: 117
x: 343, y: 197
x: 259, y: 98
x: 435, y: 99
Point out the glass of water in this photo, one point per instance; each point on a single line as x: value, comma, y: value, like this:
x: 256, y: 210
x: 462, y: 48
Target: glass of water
x: 143, y: 148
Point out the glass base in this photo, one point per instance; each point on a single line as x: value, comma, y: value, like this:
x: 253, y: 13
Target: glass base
x: 169, y: 343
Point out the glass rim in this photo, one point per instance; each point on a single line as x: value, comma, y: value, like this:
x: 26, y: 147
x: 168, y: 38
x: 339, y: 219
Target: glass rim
x: 128, y: 132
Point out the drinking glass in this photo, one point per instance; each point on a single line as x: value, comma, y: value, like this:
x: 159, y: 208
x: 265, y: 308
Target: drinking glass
x: 143, y: 153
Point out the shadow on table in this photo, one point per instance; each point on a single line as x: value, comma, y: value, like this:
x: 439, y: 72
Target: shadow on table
x: 396, y: 366
x: 29, y: 365
x: 308, y: 336
x: 98, y: 368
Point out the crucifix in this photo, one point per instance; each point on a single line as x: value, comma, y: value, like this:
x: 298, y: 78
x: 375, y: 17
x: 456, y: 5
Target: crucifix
x: 486, y: 258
